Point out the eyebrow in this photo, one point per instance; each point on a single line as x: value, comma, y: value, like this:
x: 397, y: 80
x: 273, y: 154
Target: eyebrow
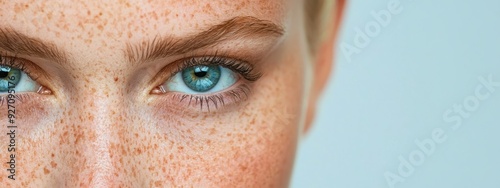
x: 237, y: 27
x: 17, y: 43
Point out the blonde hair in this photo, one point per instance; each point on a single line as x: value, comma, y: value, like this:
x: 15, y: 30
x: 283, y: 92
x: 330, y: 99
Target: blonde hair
x: 318, y: 17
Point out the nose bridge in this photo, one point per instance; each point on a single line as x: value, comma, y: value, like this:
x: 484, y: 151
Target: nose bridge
x: 102, y: 125
x: 99, y: 107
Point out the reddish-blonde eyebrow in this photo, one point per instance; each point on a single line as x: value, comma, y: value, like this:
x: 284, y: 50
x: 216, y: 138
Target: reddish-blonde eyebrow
x: 17, y: 43
x: 237, y: 27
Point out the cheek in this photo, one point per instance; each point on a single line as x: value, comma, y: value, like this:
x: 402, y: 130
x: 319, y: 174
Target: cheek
x: 41, y: 143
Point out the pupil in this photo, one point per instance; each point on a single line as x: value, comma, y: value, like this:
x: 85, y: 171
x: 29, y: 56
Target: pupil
x: 200, y: 74
x: 3, y: 74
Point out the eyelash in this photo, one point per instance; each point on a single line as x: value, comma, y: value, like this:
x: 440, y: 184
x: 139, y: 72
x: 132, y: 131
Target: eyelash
x: 241, y: 67
x: 14, y: 62
x: 235, y: 94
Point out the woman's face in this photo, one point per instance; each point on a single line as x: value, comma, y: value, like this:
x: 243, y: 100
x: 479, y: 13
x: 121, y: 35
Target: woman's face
x: 152, y: 93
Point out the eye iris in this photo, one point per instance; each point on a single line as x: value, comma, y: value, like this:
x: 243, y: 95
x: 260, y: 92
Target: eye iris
x: 7, y: 72
x: 201, y: 78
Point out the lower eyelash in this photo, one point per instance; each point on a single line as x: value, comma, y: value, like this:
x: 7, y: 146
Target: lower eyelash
x: 18, y: 98
x: 214, y: 101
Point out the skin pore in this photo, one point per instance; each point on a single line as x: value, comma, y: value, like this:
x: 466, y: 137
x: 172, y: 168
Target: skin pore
x: 101, y: 119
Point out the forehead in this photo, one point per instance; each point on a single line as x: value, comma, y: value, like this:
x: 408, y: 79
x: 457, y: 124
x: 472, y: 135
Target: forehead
x: 133, y: 20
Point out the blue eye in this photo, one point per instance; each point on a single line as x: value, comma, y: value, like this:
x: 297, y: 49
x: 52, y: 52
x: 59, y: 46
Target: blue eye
x: 202, y: 79
x: 16, y: 79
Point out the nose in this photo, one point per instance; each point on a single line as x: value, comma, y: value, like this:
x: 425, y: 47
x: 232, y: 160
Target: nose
x: 101, y: 132
x: 98, y: 109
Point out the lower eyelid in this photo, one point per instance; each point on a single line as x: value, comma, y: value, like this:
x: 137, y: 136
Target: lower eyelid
x: 19, y: 98
x: 220, y: 101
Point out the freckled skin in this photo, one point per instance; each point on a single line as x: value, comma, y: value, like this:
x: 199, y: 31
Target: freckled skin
x: 96, y: 130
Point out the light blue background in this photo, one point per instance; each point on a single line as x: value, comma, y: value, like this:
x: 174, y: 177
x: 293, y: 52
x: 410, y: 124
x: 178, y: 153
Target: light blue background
x: 396, y: 90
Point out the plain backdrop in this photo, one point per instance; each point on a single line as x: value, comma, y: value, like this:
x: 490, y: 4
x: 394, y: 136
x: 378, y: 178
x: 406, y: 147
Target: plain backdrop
x: 403, y: 87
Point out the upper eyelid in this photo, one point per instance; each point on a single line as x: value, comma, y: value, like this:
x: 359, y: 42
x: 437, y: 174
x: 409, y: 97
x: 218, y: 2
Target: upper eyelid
x: 175, y: 67
x: 240, y: 66
x: 14, y: 62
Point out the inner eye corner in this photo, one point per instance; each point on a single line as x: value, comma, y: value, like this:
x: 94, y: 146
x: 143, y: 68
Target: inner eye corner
x: 44, y: 90
x: 158, y: 90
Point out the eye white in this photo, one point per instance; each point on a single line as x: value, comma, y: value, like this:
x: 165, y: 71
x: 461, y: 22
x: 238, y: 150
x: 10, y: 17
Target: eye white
x: 26, y: 84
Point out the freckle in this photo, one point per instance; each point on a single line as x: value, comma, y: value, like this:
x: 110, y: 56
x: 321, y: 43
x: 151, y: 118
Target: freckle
x: 52, y: 155
x: 46, y: 171
x: 116, y: 79
x: 208, y: 8
x: 243, y: 167
x: 158, y: 184
x: 53, y: 164
x: 212, y: 131
x: 124, y: 152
